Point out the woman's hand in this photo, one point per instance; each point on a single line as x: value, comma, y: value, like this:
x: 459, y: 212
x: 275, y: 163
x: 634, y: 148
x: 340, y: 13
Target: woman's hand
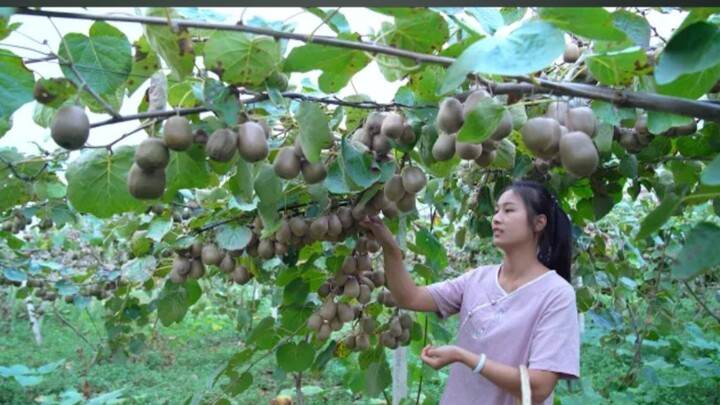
x: 439, y: 357
x: 378, y: 231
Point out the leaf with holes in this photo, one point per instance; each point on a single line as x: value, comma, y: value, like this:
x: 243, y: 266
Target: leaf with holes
x: 167, y: 44
x: 97, y: 182
x: 145, y: 63
x: 241, y: 59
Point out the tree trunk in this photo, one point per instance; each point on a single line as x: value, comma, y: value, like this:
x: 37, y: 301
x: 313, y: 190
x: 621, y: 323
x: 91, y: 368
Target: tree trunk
x: 399, y: 374
x: 35, y: 321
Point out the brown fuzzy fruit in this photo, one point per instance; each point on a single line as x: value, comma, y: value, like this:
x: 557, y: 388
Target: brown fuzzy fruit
x: 327, y: 310
x: 145, y: 185
x: 472, y: 101
x: 373, y: 123
x: 345, y: 312
x: 486, y: 158
x: 541, y: 134
x: 578, y: 154
x: 266, y: 249
x: 504, y: 128
x: 319, y: 227
x: 407, y: 203
x: 362, y: 342
x: 352, y: 288
x: 450, y: 115
x: 394, y: 189
x: 70, y: 128
x: 252, y: 143
x: 240, y: 274
x: 324, y: 332
x: 557, y: 110
x: 287, y: 164
x: 227, y: 264
x: 314, y: 322
x: 581, y: 119
x: 392, y: 126
x: 221, y: 145
x: 298, y: 226
x: 178, y: 134
x: 413, y: 179
x: 197, y: 269
x: 408, y: 136
x: 572, y: 53
x: 181, y: 265
x: 444, y: 147
x: 381, y: 144
x: 313, y: 172
x: 468, y: 151
x: 210, y: 255
x: 152, y: 154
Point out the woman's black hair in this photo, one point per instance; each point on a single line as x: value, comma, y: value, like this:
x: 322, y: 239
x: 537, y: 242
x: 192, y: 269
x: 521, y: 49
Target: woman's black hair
x: 555, y: 244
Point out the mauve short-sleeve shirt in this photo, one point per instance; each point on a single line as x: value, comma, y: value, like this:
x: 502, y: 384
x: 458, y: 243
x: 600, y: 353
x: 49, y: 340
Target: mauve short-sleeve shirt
x: 536, y: 325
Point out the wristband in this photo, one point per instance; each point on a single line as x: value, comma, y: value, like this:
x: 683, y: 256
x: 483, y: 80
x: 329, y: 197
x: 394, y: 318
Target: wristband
x: 481, y: 364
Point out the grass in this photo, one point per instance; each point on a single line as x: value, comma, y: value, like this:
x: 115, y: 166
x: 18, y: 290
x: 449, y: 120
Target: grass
x: 179, y: 361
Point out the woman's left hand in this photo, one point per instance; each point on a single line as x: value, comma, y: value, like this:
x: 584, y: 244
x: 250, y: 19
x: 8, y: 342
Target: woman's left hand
x: 439, y: 357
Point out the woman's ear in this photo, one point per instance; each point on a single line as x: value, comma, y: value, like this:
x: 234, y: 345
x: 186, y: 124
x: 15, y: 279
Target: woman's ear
x: 540, y: 222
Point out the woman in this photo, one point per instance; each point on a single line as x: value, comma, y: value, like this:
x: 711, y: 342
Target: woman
x: 522, y: 311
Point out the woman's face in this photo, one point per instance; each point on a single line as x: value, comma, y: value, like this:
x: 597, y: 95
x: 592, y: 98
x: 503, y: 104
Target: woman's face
x: 510, y: 223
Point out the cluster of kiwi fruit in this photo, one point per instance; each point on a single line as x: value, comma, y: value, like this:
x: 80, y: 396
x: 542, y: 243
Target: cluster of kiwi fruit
x: 401, y: 190
x: 378, y: 131
x: 565, y: 133
x: 17, y: 222
x: 250, y: 141
x: 70, y: 128
x: 45, y: 292
x: 452, y: 114
x: 290, y: 162
x: 636, y: 138
x: 146, y: 179
x: 179, y: 214
x: 190, y: 263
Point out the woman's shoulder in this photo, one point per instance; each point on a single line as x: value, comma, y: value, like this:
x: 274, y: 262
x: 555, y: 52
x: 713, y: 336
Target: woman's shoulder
x: 486, y: 272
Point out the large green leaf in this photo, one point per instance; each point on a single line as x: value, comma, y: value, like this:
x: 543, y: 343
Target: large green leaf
x: 16, y: 84
x: 332, y: 18
x: 489, y: 18
x: 620, y: 67
x: 532, y: 47
x: 145, y: 63
x: 241, y: 183
x: 233, y: 237
x: 659, y: 122
x: 429, y: 246
x: 699, y: 252
x: 587, y: 22
x: 337, y: 64
x: 103, y: 60
x: 635, y: 26
x: 314, y: 131
x: 241, y: 59
x: 97, y: 182
x: 377, y: 378
x: 504, y: 155
x: 657, y: 218
x: 335, y: 180
x: 693, y: 85
x: 187, y: 170
x: 481, y: 122
x: 14, y: 190
x: 237, y: 384
x: 359, y: 167
x: 139, y: 269
x: 711, y: 173
x: 175, y: 299
x: 167, y: 43
x: 426, y: 82
x: 293, y: 357
x: 691, y: 51
x: 268, y: 185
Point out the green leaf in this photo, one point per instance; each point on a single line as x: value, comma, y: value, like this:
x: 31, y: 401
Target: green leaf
x: 46, y: 189
x: 337, y: 64
x: 699, y: 252
x: 263, y: 334
x: 587, y: 22
x: 241, y: 183
x: 585, y: 299
x: 175, y: 299
x: 139, y: 269
x: 218, y: 98
x: 628, y: 166
x: 314, y: 131
x: 504, y: 155
x: 657, y: 218
x: 377, y: 378
x: 512, y: 14
x: 296, y: 292
x: 145, y: 63
x: 635, y: 26
x: 28, y: 380
x: 241, y: 59
x: 711, y: 174
x: 293, y: 357
x: 530, y: 48
x: 337, y: 21
x: 158, y: 229
x: 14, y: 190
x: 16, y: 84
x: 167, y: 44
x: 233, y: 237
x: 620, y: 67
x: 610, y: 113
x: 358, y: 166
x: 426, y: 82
x: 489, y: 18
x: 55, y: 91
x: 97, y: 182
x: 268, y: 185
x: 14, y: 275
x: 659, y: 122
x: 692, y: 50
x: 187, y: 170
x: 238, y: 385
x: 429, y: 246
x: 335, y: 180
x: 604, y: 137
x: 481, y: 122
x: 692, y: 85
x: 103, y: 60
x: 181, y: 94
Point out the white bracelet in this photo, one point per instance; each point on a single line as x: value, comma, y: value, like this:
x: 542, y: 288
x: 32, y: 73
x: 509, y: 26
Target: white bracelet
x: 481, y: 364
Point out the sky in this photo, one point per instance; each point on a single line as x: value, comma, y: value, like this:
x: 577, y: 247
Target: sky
x: 369, y: 81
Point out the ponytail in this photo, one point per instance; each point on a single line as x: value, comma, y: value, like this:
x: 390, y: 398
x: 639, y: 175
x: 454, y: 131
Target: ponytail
x: 555, y: 243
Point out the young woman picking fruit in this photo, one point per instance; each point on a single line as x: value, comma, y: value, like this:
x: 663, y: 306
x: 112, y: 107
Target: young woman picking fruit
x: 521, y: 311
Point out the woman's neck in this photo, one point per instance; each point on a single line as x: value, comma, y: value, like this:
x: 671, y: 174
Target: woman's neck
x: 520, y: 265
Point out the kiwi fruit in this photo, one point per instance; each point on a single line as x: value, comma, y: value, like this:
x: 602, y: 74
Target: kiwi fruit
x: 197, y: 269
x: 450, y: 115
x: 349, y: 342
x: 472, y: 101
x: 345, y: 312
x: 378, y: 278
x: 177, y: 278
x: 178, y: 134
x: 578, y: 154
x: 335, y: 227
x: 362, y: 342
x: 313, y: 172
x: 395, y: 328
x: 221, y: 145
x: 572, y: 53
x: 210, y: 255
x: 444, y: 147
x: 486, y: 158
x: 392, y: 126
x: 240, y: 274
x: 381, y: 144
x: 266, y: 249
x: 324, y: 332
x: 287, y: 164
x: 319, y: 227
x: 540, y: 134
x: 628, y: 140
x: 327, y: 310
x: 152, y: 154
x: 70, y: 128
x: 364, y: 263
x: 352, y: 288
x: 362, y: 136
x: 298, y: 226
x: 682, y: 130
x: 283, y: 233
x: 407, y: 202
x: 581, y: 119
x: 252, y: 143
x: 324, y: 289
x: 345, y: 216
x: 504, y: 128
x: 380, y: 201
x: 394, y: 189
x: 408, y: 136
x: 227, y: 264
x: 314, y: 322
x: 373, y: 122
x: 365, y: 295
x: 406, y: 321
x: 298, y: 148
x: 280, y: 248
x: 468, y: 151
x: 387, y: 339
x: 145, y: 185
x: 557, y: 110
x: 489, y: 145
x: 373, y: 246
x: 413, y: 179
x: 266, y: 127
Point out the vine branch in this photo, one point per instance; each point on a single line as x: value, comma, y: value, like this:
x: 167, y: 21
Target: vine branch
x: 676, y: 105
x: 701, y: 302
